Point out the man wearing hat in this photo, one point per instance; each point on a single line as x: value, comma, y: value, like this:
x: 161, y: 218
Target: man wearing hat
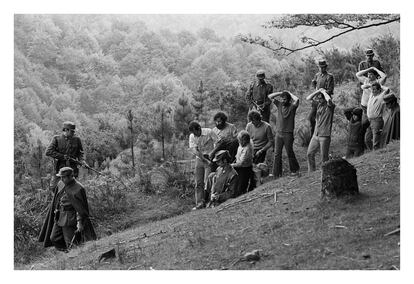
x: 370, y: 61
x: 67, y: 220
x: 222, y: 184
x: 355, y: 141
x: 322, y: 80
x: 391, y: 129
x: 63, y: 148
x: 257, y: 98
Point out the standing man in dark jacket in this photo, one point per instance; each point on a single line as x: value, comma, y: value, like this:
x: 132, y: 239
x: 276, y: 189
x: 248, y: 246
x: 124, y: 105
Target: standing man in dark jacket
x: 257, y: 96
x: 67, y: 220
x: 322, y: 80
x: 370, y: 61
x: 62, y: 149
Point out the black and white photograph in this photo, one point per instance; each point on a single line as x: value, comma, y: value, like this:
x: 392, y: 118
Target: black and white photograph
x: 207, y: 141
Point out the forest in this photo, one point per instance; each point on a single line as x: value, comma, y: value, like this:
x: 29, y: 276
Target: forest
x: 126, y: 85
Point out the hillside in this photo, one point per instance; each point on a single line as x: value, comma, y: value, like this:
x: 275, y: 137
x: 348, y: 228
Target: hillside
x: 295, y: 231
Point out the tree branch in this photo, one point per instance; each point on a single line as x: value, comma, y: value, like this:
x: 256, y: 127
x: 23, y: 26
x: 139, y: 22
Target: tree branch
x: 314, y: 43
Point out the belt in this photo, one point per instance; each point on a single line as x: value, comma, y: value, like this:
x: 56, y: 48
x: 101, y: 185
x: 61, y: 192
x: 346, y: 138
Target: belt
x: 67, y: 208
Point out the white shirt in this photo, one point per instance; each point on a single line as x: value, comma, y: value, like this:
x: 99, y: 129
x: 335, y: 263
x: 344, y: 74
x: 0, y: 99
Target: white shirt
x: 204, y: 143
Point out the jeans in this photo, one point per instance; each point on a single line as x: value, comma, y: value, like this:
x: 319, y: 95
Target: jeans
x: 376, y: 126
x: 284, y: 139
x: 317, y: 142
x: 201, y: 172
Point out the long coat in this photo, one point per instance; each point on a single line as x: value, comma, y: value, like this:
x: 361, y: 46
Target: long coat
x: 391, y: 130
x: 77, y: 197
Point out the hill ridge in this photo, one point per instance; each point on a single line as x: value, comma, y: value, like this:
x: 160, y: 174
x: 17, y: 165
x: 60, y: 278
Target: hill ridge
x: 299, y: 231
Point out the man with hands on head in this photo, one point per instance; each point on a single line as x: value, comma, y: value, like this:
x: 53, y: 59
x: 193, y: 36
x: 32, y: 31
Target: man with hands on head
x: 323, y: 126
x: 286, y: 104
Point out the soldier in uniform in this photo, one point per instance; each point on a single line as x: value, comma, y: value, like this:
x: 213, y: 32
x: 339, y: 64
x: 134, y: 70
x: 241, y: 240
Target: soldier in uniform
x: 63, y: 149
x: 370, y: 61
x: 257, y: 96
x: 67, y: 220
x: 223, y: 184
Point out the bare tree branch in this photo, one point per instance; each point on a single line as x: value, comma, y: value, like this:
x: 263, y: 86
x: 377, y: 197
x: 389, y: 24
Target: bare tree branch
x: 327, y: 21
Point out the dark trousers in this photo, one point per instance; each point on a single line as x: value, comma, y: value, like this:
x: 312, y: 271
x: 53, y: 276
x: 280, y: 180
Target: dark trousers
x: 256, y: 160
x: 245, y: 174
x: 284, y: 139
x: 354, y: 151
x: 60, y: 234
x: 366, y: 130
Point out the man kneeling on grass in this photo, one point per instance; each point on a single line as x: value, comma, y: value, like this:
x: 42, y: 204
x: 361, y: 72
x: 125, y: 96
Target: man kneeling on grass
x: 222, y: 184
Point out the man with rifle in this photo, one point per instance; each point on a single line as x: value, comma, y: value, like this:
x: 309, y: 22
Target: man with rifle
x: 66, y: 150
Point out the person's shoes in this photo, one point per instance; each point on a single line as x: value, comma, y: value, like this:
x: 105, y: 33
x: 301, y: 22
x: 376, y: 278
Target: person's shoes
x: 199, y: 206
x: 294, y: 174
x: 270, y: 175
x: 65, y: 250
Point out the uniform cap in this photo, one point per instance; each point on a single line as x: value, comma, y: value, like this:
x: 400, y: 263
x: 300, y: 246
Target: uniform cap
x: 221, y: 154
x: 260, y: 73
x: 65, y: 171
x: 69, y: 125
x: 369, y: 52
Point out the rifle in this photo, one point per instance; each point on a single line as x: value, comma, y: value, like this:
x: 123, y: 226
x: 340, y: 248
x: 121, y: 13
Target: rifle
x: 85, y: 165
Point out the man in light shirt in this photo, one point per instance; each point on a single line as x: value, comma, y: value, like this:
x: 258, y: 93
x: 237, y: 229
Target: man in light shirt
x: 201, y: 144
x: 375, y: 110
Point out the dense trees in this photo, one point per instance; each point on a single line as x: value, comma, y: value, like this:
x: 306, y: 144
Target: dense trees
x: 92, y: 69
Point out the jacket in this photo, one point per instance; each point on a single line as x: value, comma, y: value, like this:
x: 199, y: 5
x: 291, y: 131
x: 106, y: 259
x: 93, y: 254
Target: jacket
x: 77, y: 197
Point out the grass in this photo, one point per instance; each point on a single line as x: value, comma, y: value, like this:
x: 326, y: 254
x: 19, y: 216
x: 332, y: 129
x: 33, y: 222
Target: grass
x: 298, y: 231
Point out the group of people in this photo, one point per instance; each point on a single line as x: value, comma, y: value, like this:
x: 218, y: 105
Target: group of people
x: 229, y: 163
x: 222, y: 172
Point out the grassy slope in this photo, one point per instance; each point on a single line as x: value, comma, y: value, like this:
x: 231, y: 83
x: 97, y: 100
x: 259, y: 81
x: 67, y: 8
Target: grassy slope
x: 296, y: 232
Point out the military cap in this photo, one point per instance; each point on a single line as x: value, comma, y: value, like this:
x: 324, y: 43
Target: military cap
x: 69, y: 125
x: 369, y: 51
x: 222, y: 154
x: 357, y: 111
x: 322, y: 63
x: 260, y: 73
x: 65, y: 171
x: 390, y: 98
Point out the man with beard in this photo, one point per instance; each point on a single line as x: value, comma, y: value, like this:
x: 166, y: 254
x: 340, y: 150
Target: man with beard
x: 227, y: 135
x: 322, y: 135
x: 286, y: 104
x: 322, y: 80
x: 391, y: 119
x: 67, y: 220
x: 257, y: 96
x: 63, y: 149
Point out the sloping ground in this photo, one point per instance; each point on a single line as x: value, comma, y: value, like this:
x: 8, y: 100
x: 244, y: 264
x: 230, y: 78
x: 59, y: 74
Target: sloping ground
x: 295, y: 231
